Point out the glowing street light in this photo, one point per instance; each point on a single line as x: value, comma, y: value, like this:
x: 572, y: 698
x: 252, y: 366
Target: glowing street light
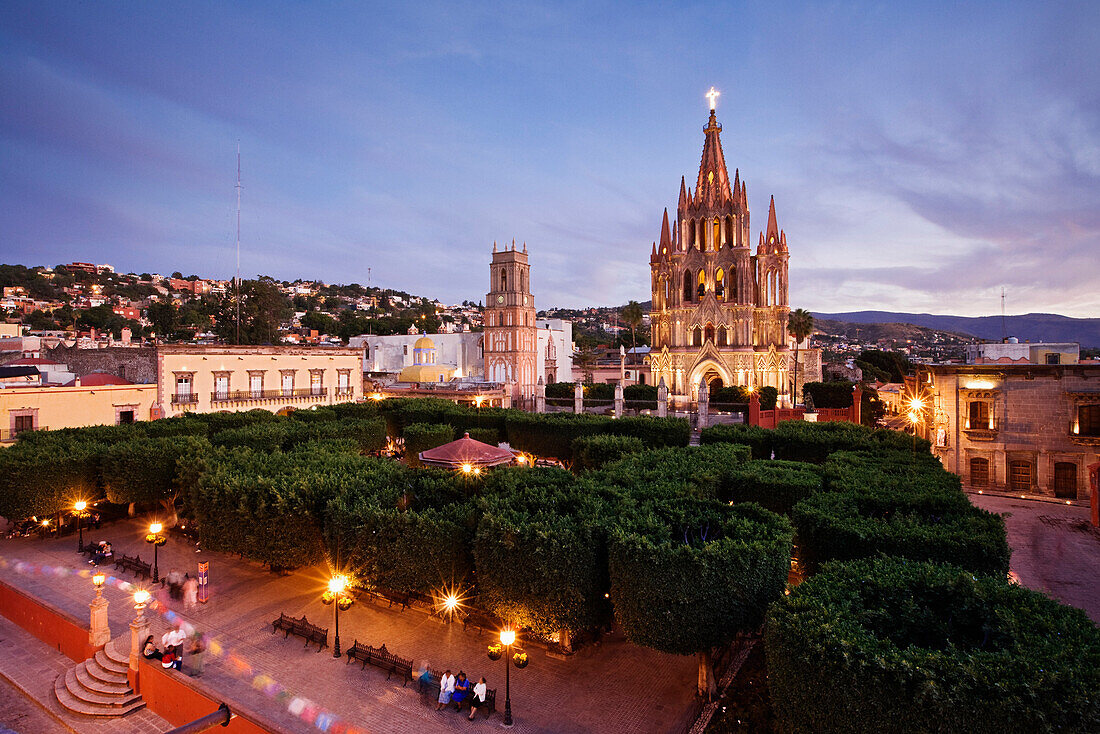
x: 467, y: 468
x: 154, y: 538
x: 340, y: 600
x: 519, y: 659
x: 98, y: 579
x: 80, y: 506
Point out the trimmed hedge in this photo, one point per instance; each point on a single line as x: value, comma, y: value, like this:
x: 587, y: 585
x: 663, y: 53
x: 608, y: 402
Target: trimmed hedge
x: 777, y: 485
x: 592, y: 452
x: 701, y: 572
x: 756, y: 438
x: 813, y: 442
x: 490, y: 436
x: 890, y: 470
x: 894, y: 646
x: 923, y: 526
x: 423, y: 436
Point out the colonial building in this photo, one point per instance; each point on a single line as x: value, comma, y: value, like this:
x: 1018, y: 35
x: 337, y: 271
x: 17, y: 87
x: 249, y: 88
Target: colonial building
x: 511, y: 341
x: 719, y: 310
x: 1023, y: 428
x: 214, y: 378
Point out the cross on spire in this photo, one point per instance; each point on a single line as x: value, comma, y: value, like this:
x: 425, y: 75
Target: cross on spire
x: 712, y: 95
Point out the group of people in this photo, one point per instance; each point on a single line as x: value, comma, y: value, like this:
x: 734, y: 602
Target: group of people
x: 183, y: 587
x: 171, y: 656
x: 102, y: 553
x: 457, y: 690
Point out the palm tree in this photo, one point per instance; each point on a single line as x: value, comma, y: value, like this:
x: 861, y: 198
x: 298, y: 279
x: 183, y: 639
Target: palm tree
x: 800, y: 324
x: 632, y: 315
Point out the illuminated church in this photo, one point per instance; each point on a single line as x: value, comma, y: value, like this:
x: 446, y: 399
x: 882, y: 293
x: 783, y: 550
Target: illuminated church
x: 719, y: 309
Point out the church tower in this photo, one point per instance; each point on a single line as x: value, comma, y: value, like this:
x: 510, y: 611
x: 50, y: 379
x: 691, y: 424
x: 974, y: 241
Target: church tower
x: 510, y: 340
x: 719, y: 311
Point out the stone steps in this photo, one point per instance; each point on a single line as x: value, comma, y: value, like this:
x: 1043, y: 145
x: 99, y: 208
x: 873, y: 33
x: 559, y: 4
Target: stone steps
x: 119, y: 657
x: 78, y: 706
x: 99, y: 686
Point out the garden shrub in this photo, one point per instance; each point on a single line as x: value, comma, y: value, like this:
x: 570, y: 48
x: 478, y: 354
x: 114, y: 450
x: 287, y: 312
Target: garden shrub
x: 592, y: 452
x: 888, y: 469
x: 894, y: 646
x: 922, y: 526
x: 776, y: 485
x: 756, y: 438
x: 44, y: 477
x: 144, y: 470
x: 692, y: 471
x: 423, y: 436
x: 486, y: 435
x: 801, y: 441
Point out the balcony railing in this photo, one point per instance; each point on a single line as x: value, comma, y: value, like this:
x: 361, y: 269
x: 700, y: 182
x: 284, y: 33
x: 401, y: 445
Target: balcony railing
x: 234, y: 396
x: 344, y: 392
x: 185, y: 398
x: 7, y: 435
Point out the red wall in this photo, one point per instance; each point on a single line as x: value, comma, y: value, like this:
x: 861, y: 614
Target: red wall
x: 52, y: 626
x: 168, y: 695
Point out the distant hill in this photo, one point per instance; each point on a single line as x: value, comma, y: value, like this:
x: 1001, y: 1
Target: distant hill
x: 1046, y: 327
x: 873, y: 331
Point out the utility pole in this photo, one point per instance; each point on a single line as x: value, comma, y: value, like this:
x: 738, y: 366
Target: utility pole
x: 237, y: 280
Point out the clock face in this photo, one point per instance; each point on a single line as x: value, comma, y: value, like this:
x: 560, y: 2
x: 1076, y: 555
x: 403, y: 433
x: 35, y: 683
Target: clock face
x: 525, y: 300
x: 500, y: 299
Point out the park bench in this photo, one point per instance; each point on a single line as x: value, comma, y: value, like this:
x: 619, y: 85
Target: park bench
x: 390, y: 597
x: 135, y: 565
x: 480, y: 620
x: 432, y: 686
x: 311, y: 633
x: 381, y: 658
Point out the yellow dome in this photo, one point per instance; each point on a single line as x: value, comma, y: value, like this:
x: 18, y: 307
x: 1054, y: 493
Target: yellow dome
x: 424, y: 343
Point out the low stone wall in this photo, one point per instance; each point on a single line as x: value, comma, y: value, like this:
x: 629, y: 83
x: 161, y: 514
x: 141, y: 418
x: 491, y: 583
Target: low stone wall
x: 179, y: 700
x: 52, y: 626
x: 136, y: 364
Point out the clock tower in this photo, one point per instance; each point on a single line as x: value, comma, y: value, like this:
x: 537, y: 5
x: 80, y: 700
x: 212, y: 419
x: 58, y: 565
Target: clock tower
x: 510, y: 340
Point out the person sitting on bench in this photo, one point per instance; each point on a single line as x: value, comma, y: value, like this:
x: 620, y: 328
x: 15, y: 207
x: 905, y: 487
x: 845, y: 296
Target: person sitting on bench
x: 478, y: 698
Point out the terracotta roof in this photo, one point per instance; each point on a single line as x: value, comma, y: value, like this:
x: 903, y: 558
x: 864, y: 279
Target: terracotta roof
x: 98, y: 379
x: 466, y: 451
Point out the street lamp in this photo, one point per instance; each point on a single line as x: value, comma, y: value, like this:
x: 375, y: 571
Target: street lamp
x: 155, y: 539
x: 80, y: 507
x: 519, y: 659
x: 335, y: 595
x: 98, y: 579
x: 141, y: 596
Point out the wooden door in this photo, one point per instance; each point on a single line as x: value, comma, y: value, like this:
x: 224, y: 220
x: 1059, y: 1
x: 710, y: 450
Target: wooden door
x: 1065, y: 480
x: 979, y: 472
x: 1019, y: 476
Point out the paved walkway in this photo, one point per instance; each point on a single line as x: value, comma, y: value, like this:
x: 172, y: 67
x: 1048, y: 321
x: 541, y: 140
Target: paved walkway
x: 594, y: 691
x: 1054, y: 549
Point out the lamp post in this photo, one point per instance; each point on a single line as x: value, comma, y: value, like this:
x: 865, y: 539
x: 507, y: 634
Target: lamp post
x: 519, y: 659
x: 139, y: 630
x: 99, y: 632
x: 155, y: 539
x: 80, y: 507
x: 335, y: 595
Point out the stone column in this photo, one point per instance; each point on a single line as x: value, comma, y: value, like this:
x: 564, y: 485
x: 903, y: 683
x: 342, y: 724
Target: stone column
x: 754, y: 409
x: 704, y: 399
x: 619, y: 401
x: 662, y: 399
x: 857, y: 403
x: 139, y: 630
x: 540, y: 397
x: 578, y: 398
x: 100, y: 632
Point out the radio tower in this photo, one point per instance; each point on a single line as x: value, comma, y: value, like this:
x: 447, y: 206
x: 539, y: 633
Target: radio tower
x: 237, y: 280
x: 1004, y: 331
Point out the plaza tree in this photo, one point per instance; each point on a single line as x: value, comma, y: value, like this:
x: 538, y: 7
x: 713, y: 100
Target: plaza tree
x: 800, y: 324
x: 152, y: 470
x: 263, y: 309
x: 631, y: 314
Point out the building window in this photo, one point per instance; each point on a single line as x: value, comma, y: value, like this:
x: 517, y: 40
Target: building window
x: 979, y: 472
x: 315, y: 382
x: 697, y: 337
x: 687, y: 286
x: 183, y: 385
x: 23, y: 423
x: 221, y: 386
x: 503, y: 279
x: 1054, y: 358
x: 1088, y: 420
x: 701, y: 290
x: 979, y: 415
x: 343, y: 382
x: 721, y: 336
x: 1065, y: 480
x: 287, y: 384
x: 405, y: 349
x: 256, y: 384
x: 1019, y: 476
x: 125, y: 417
x: 710, y: 333
x: 720, y: 284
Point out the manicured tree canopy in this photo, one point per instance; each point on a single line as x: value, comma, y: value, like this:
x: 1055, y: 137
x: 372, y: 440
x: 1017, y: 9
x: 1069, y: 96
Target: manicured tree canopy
x: 539, y: 551
x: 592, y: 452
x: 777, y: 485
x: 43, y: 478
x: 891, y: 646
x: 147, y: 469
x: 423, y: 436
x: 690, y: 574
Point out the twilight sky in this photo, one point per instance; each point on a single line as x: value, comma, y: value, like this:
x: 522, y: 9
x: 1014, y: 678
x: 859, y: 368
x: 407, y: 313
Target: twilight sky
x: 921, y: 158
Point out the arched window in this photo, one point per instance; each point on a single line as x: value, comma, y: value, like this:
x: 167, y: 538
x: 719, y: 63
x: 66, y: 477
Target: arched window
x: 668, y: 290
x: 503, y: 279
x: 697, y: 337
x: 702, y: 289
x: 688, y: 285
x: 720, y: 284
x: 722, y: 336
x: 710, y: 333
x: 731, y: 287
x: 717, y: 234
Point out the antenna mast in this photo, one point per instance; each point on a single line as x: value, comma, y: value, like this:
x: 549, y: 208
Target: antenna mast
x: 1004, y: 331
x: 237, y: 280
